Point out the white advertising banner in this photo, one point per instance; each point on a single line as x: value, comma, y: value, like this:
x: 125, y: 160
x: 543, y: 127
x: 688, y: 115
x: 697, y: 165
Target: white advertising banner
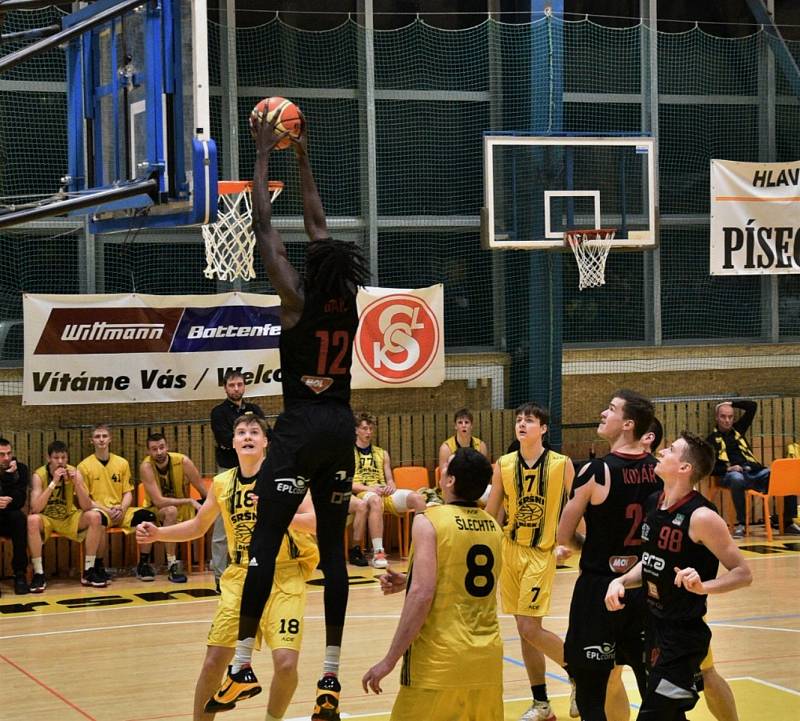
x: 400, y: 339
x: 152, y: 348
x: 755, y: 218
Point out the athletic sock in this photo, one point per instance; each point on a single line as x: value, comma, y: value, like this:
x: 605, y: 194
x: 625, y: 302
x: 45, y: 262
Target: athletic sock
x: 144, y: 557
x: 171, y: 560
x: 243, y: 654
x: 37, y: 565
x: 331, y: 663
x: 89, y: 563
x: 540, y: 693
x: 377, y: 545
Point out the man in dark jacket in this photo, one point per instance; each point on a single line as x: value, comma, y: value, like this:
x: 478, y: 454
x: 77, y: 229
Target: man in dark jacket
x: 14, y: 481
x: 737, y: 468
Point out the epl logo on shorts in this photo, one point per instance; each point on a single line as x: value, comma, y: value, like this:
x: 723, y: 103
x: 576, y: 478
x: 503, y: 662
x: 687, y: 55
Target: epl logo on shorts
x: 295, y: 486
x: 398, y: 338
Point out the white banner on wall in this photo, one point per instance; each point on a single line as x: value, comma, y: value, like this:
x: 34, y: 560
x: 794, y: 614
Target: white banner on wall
x: 151, y: 348
x: 755, y: 218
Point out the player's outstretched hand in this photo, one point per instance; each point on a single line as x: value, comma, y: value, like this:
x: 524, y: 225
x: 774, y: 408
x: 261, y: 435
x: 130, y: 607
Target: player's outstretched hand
x: 146, y: 532
x: 615, y: 595
x: 300, y: 142
x: 690, y: 580
x: 268, y: 137
x: 392, y: 582
x: 372, y: 678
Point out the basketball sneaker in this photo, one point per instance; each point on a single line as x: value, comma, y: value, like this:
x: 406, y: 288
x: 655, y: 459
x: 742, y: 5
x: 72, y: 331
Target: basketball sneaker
x: 145, y: 572
x: 38, y: 583
x: 738, y: 531
x: 237, y: 686
x: 100, y: 571
x: 327, y: 705
x: 356, y: 557
x: 90, y: 578
x: 539, y: 711
x: 21, y: 586
x: 175, y: 573
x: 379, y: 560
x: 213, y: 706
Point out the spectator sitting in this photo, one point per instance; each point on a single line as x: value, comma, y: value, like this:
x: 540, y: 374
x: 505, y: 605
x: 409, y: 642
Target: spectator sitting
x: 167, y: 477
x: 462, y: 438
x: 373, y: 482
x: 736, y: 467
x: 14, y: 481
x: 60, y: 502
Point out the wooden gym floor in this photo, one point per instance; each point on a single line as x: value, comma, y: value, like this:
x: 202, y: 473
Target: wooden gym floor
x: 132, y: 652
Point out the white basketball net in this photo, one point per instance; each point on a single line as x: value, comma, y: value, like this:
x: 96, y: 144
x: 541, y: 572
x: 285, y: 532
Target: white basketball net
x: 230, y: 241
x: 590, y: 248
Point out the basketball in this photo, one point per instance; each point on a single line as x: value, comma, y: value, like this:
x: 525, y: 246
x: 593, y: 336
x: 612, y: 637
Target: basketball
x: 284, y: 113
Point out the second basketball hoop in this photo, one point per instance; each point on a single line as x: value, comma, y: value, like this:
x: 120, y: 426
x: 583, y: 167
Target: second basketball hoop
x: 590, y: 248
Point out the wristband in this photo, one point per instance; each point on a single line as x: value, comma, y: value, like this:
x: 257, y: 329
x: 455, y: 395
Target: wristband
x: 51, y: 485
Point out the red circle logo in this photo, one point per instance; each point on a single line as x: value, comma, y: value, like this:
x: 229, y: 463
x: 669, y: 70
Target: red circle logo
x: 398, y: 338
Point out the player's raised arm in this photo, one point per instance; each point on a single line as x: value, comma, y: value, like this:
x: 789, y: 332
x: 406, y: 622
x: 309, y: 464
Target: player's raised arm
x: 313, y: 213
x: 281, y: 273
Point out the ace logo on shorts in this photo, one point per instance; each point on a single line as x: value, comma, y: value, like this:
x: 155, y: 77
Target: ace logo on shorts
x: 398, y: 338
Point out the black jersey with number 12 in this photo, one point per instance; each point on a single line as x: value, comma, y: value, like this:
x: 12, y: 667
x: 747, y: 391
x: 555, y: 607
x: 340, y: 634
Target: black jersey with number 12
x: 316, y: 353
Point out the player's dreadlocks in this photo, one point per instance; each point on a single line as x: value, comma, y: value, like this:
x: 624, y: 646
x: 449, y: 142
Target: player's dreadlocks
x: 334, y: 267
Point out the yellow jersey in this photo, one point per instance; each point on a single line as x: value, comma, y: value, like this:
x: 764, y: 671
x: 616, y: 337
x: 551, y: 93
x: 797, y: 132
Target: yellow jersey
x: 107, y: 482
x: 62, y: 502
x: 474, y: 443
x: 239, y: 517
x: 369, y: 466
x: 171, y: 481
x: 459, y: 644
x: 533, y: 498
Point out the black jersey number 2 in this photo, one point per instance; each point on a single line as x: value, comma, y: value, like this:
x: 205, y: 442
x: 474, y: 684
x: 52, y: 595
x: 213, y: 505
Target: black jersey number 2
x: 332, y: 349
x: 479, y: 580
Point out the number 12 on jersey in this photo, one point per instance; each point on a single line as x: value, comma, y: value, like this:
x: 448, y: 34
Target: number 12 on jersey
x: 332, y: 350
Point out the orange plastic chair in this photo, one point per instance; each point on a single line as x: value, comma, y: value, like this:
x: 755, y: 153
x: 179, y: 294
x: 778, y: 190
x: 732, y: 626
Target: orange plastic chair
x: 784, y: 480
x: 412, y: 478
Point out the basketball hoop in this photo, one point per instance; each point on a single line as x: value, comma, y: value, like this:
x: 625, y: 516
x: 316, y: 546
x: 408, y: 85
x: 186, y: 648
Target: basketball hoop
x: 590, y: 248
x: 230, y: 241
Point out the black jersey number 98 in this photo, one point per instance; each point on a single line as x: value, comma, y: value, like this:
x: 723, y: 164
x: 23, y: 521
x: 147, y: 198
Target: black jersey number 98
x: 479, y: 580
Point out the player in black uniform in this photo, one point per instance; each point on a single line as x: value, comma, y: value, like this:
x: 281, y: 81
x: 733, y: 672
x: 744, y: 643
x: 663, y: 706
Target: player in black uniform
x: 312, y: 442
x: 683, y: 541
x: 610, y: 493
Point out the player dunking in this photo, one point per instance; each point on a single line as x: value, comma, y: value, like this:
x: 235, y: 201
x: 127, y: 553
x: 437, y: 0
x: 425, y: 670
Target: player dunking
x: 312, y: 443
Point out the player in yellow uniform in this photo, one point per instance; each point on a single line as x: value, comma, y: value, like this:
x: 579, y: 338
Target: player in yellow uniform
x: 167, y: 478
x: 374, y: 484
x: 531, y: 486
x: 462, y: 437
x: 448, y: 634
x: 282, y: 622
x: 108, y: 478
x: 58, y: 499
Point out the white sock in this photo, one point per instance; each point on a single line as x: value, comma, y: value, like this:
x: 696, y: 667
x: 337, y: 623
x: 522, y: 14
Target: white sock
x: 243, y: 654
x: 89, y: 563
x: 331, y: 664
x: 170, y: 560
x: 377, y: 545
x: 37, y: 565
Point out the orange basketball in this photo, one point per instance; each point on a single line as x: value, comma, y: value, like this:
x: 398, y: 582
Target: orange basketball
x: 284, y: 113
